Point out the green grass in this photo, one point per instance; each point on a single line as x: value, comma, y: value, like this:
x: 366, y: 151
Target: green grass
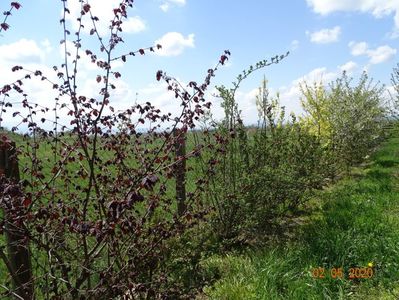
x: 357, y: 223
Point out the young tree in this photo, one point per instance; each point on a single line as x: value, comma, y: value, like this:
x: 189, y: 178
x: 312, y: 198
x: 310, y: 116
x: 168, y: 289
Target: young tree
x: 95, y: 200
x: 347, y: 118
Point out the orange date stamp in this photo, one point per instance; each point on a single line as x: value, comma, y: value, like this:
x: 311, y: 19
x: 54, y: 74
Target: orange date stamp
x: 339, y: 273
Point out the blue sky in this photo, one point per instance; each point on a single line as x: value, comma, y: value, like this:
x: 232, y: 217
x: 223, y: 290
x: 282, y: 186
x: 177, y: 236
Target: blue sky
x: 323, y: 36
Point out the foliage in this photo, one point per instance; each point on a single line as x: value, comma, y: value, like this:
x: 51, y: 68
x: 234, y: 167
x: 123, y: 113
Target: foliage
x: 347, y: 119
x: 285, y: 165
x: 264, y: 172
x: 233, y: 160
x: 352, y: 224
x: 315, y: 104
x: 96, y: 202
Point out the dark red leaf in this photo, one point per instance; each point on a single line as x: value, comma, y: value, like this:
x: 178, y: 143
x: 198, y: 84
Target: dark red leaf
x: 27, y: 201
x: 223, y: 58
x: 86, y: 8
x: 16, y: 68
x: 159, y: 75
x: 4, y: 26
x: 16, y: 5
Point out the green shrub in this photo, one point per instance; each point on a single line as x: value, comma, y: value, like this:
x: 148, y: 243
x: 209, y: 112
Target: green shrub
x: 264, y: 172
x: 347, y: 119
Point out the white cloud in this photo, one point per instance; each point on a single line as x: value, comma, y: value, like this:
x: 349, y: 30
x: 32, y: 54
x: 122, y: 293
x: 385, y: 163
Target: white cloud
x: 104, y: 11
x: 325, y: 36
x: 47, y: 45
x: 318, y: 74
x: 381, y: 54
x: 29, y: 54
x: 290, y: 96
x: 294, y: 45
x: 133, y: 25
x: 164, y: 6
x: 180, y: 2
x: 174, y: 43
x: 34, y: 55
x: 394, y: 34
x: 349, y: 67
x: 168, y: 3
x: 378, y: 8
x: 247, y: 104
x: 358, y: 49
x: 21, y: 51
x: 376, y: 56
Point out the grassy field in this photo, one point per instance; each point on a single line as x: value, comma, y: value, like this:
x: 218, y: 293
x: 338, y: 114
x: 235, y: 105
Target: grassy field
x: 354, y: 223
